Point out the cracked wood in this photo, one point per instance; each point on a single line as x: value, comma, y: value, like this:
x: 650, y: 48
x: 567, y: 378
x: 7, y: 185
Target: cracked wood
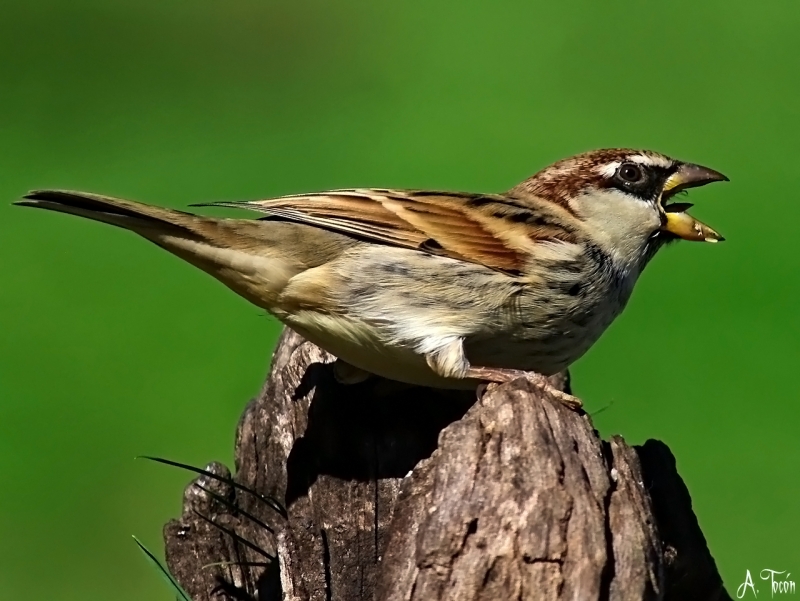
x: 395, y: 493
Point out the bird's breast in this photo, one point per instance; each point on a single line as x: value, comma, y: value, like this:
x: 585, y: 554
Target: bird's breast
x: 385, y: 309
x: 553, y: 320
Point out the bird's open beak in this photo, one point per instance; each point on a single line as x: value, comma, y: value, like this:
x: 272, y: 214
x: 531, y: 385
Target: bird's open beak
x: 675, y: 219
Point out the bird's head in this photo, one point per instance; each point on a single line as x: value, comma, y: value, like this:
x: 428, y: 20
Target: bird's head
x: 625, y: 197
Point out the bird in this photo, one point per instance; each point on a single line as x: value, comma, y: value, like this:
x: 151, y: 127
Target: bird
x: 432, y: 288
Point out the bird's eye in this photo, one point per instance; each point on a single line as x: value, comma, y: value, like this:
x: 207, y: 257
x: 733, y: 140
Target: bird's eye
x: 630, y: 173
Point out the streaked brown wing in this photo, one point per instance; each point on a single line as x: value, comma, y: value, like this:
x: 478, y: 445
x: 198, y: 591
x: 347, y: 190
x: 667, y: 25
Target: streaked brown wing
x: 476, y: 228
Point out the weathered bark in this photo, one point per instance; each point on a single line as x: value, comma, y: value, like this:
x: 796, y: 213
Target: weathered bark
x: 396, y: 493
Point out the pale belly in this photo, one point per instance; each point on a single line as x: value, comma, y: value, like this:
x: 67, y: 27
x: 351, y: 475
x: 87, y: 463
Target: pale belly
x: 390, y: 327
x: 377, y: 351
x: 366, y: 348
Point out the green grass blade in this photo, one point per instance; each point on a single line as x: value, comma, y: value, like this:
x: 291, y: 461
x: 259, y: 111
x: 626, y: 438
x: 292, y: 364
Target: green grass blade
x: 164, y: 572
x: 273, y: 503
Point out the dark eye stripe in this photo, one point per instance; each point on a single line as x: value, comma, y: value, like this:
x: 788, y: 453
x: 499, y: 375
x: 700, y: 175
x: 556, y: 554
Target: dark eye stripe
x: 648, y: 186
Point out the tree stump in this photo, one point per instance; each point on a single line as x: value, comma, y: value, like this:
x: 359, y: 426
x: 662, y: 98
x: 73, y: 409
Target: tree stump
x: 384, y: 492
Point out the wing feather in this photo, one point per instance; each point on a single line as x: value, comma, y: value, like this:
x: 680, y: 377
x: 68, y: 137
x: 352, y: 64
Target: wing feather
x: 487, y: 229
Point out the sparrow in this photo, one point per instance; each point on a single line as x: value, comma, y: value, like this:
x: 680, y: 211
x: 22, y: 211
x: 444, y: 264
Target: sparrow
x: 440, y: 289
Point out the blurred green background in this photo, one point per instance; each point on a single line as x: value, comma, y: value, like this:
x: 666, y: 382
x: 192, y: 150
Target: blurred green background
x: 110, y: 348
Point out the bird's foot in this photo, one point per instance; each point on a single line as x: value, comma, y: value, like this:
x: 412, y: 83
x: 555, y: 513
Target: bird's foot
x: 495, y: 375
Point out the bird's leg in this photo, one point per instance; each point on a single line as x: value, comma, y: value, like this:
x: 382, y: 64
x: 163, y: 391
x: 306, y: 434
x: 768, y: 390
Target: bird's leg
x: 450, y: 361
x: 499, y: 375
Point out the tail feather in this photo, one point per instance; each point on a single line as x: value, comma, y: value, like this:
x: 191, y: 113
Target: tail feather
x: 114, y: 211
x: 243, y: 254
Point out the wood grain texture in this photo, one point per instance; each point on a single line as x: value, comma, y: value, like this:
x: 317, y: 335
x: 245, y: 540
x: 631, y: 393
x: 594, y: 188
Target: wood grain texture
x: 394, y: 493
